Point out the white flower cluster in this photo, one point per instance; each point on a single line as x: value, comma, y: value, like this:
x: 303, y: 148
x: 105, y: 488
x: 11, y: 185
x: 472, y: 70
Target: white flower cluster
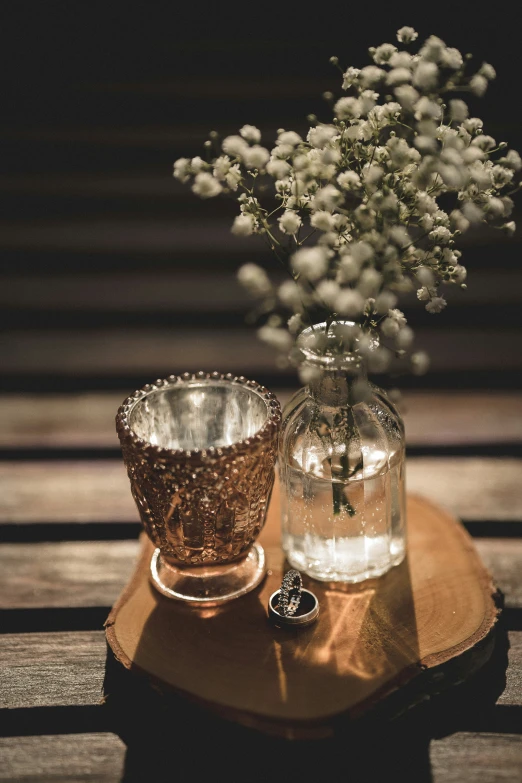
x: 361, y: 204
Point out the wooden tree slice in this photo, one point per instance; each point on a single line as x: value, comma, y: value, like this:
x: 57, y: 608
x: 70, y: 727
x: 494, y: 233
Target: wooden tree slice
x: 422, y: 626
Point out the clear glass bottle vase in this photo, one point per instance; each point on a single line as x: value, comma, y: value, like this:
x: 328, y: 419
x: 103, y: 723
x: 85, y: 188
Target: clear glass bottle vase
x: 342, y: 466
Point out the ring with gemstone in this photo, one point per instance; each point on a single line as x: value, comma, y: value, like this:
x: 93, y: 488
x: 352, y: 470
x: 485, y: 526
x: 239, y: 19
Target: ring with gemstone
x: 290, y: 593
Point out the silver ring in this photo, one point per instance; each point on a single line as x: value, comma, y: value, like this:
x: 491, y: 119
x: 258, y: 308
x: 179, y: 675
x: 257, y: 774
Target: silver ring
x: 290, y: 593
x: 306, y: 613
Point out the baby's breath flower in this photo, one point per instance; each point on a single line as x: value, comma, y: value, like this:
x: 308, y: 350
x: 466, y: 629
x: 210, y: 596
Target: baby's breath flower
x: 426, y: 75
x: 350, y: 77
x: 478, y: 84
x: 425, y: 293
x: 347, y: 108
x: 407, y: 96
x: 367, y: 190
x: 295, y: 324
x: 327, y: 292
x: 382, y: 53
x: 458, y: 110
x: 371, y: 76
x: 182, y: 169
x: 407, y: 35
x: 290, y: 138
x: 290, y: 295
x: 369, y: 282
x: 398, y: 76
x: 420, y: 361
x: 384, y: 303
x: 206, y: 186
x: 278, y: 338
x: 243, y: 225
x: 512, y: 160
x: 322, y: 220
x: 349, y: 180
x: 404, y: 338
x: 234, y: 146
x: 255, y: 157
x: 290, y: 222
x: 451, y: 58
x: 233, y: 177
x: 311, y: 262
x: 487, y: 71
x: 327, y: 198
x: 348, y: 269
x: 321, y: 135
x: 278, y: 168
x: 254, y: 279
x: 349, y: 302
x: 436, y: 305
x: 389, y: 327
x: 251, y: 134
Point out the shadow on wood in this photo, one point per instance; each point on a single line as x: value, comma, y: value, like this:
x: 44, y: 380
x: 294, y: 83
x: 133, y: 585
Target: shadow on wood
x: 171, y: 737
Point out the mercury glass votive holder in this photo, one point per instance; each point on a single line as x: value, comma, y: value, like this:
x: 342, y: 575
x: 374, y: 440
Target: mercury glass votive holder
x: 200, y: 451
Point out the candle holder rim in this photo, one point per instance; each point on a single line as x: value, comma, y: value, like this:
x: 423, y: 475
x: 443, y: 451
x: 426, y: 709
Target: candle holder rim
x: 264, y: 433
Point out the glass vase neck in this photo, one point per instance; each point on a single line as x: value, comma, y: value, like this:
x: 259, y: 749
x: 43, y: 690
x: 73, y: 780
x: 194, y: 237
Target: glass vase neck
x: 335, y: 370
x: 336, y: 386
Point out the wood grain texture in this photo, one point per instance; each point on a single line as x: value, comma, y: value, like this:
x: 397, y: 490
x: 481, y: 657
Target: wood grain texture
x: 512, y: 694
x: 64, y: 574
x: 435, y: 606
x: 94, y: 573
x: 503, y: 557
x: 67, y: 668
x: 477, y: 758
x: 158, y: 352
x: 444, y: 418
x: 185, y: 290
x: 87, y: 491
x: 51, y: 669
x: 70, y: 757
x: 460, y: 758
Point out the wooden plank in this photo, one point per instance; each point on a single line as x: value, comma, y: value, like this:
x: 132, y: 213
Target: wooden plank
x: 512, y: 694
x: 71, y: 757
x: 158, y: 352
x: 188, y: 291
x: 75, y: 574
x: 64, y: 574
x: 459, y: 758
x: 442, y: 418
x: 503, y: 557
x: 67, y: 668
x: 80, y: 491
x: 476, y: 489
x: 476, y: 758
x: 52, y: 669
x: 472, y: 488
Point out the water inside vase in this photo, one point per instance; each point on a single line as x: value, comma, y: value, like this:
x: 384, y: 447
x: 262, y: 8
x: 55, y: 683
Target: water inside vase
x: 349, y: 530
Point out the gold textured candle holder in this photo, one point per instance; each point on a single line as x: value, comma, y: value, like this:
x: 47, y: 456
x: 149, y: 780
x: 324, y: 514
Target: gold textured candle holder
x: 200, y: 451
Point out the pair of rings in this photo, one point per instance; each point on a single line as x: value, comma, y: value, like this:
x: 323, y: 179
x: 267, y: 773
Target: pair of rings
x: 292, y: 604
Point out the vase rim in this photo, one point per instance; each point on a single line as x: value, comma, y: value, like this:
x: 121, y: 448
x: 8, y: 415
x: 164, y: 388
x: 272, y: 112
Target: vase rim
x: 316, y: 344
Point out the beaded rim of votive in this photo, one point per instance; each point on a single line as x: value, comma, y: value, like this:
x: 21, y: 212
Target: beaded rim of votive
x: 263, y: 434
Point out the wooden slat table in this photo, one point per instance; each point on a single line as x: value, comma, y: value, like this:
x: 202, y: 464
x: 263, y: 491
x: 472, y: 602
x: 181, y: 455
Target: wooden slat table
x: 68, y: 532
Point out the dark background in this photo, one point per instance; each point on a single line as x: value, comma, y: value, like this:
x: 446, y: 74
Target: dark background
x: 113, y: 272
